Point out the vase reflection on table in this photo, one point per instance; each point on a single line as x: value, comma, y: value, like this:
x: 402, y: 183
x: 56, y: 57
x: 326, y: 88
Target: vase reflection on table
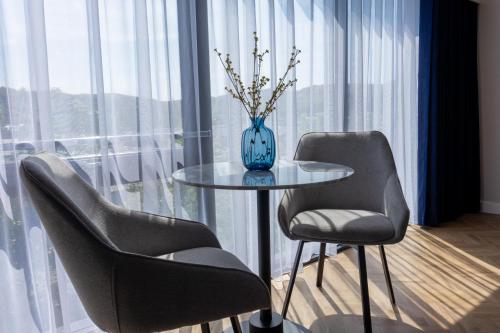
x: 258, y: 147
x: 259, y: 178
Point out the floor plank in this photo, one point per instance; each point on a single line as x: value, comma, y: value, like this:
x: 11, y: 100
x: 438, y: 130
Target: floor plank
x: 445, y: 279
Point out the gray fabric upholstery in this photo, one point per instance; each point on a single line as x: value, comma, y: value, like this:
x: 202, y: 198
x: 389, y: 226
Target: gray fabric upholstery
x: 209, y: 256
x: 110, y: 254
x: 342, y: 226
x: 374, y: 190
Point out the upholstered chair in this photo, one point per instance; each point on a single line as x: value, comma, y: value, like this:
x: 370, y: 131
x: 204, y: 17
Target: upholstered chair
x: 133, y: 271
x: 367, y: 209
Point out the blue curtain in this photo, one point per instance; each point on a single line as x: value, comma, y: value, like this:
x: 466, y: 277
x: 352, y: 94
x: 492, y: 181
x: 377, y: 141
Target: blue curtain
x: 448, y: 153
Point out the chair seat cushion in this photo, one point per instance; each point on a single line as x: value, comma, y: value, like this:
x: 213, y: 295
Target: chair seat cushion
x: 231, y: 289
x: 207, y: 256
x: 342, y: 226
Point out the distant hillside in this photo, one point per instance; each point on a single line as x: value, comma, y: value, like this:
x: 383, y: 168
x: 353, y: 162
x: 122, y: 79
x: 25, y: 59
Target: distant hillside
x: 75, y: 115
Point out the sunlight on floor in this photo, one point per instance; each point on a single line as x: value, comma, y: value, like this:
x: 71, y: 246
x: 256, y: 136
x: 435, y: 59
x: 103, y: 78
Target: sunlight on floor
x: 444, y: 279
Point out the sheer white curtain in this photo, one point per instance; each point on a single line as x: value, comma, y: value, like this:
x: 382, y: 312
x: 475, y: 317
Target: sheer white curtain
x: 358, y: 72
x: 112, y: 86
x: 98, y: 83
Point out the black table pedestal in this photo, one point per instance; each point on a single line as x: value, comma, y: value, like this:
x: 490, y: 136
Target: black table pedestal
x: 257, y: 325
x: 266, y: 320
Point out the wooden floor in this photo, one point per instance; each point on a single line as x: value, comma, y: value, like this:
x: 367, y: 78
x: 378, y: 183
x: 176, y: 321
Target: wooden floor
x: 445, y: 279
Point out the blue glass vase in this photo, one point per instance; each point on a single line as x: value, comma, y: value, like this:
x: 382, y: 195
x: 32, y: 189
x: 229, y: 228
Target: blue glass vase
x: 258, y: 147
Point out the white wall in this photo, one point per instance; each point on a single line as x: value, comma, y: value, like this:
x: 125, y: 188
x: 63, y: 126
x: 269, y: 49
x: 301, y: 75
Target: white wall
x: 489, y: 103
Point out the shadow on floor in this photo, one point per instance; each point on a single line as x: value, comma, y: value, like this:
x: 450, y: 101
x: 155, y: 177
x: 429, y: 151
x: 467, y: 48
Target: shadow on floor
x: 353, y: 323
x: 446, y: 279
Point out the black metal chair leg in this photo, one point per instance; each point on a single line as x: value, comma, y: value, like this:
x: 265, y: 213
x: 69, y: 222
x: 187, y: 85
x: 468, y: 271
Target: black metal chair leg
x: 365, y: 297
x: 235, y: 322
x: 387, y: 274
x: 321, y: 264
x: 292, y: 279
x: 205, y: 328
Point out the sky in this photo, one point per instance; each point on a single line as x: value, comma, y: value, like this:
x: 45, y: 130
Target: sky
x: 76, y: 63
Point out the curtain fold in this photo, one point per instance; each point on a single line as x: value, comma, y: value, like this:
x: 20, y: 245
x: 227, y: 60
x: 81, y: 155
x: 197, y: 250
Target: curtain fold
x: 358, y: 71
x: 130, y: 91
x: 448, y: 110
x: 97, y: 82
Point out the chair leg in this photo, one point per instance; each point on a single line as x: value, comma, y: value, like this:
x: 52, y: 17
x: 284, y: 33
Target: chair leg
x: 365, y: 297
x: 321, y: 264
x: 205, y: 328
x: 292, y: 279
x: 235, y: 322
x: 387, y: 275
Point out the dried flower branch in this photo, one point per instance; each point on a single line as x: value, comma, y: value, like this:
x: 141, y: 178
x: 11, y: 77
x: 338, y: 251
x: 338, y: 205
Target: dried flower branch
x: 251, y: 96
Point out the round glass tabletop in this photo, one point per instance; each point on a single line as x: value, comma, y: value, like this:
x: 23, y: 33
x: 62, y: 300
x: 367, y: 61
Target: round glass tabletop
x: 283, y: 175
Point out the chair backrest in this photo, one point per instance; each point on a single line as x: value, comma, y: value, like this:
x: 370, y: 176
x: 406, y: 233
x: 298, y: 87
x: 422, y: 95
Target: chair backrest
x: 368, y: 153
x: 75, y: 217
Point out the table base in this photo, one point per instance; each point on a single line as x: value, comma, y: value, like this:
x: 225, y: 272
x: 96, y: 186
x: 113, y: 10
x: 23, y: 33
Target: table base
x: 278, y: 325
x: 256, y: 325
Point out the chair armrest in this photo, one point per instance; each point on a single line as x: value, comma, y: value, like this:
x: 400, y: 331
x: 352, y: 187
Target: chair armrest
x: 155, y: 295
x: 395, y: 207
x: 154, y: 235
x: 292, y: 203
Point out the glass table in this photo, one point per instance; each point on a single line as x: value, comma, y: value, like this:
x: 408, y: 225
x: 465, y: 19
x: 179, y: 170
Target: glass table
x: 283, y: 175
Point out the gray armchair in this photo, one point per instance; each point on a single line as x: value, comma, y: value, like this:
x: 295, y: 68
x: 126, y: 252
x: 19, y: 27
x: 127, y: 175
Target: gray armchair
x: 133, y: 271
x: 367, y: 209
